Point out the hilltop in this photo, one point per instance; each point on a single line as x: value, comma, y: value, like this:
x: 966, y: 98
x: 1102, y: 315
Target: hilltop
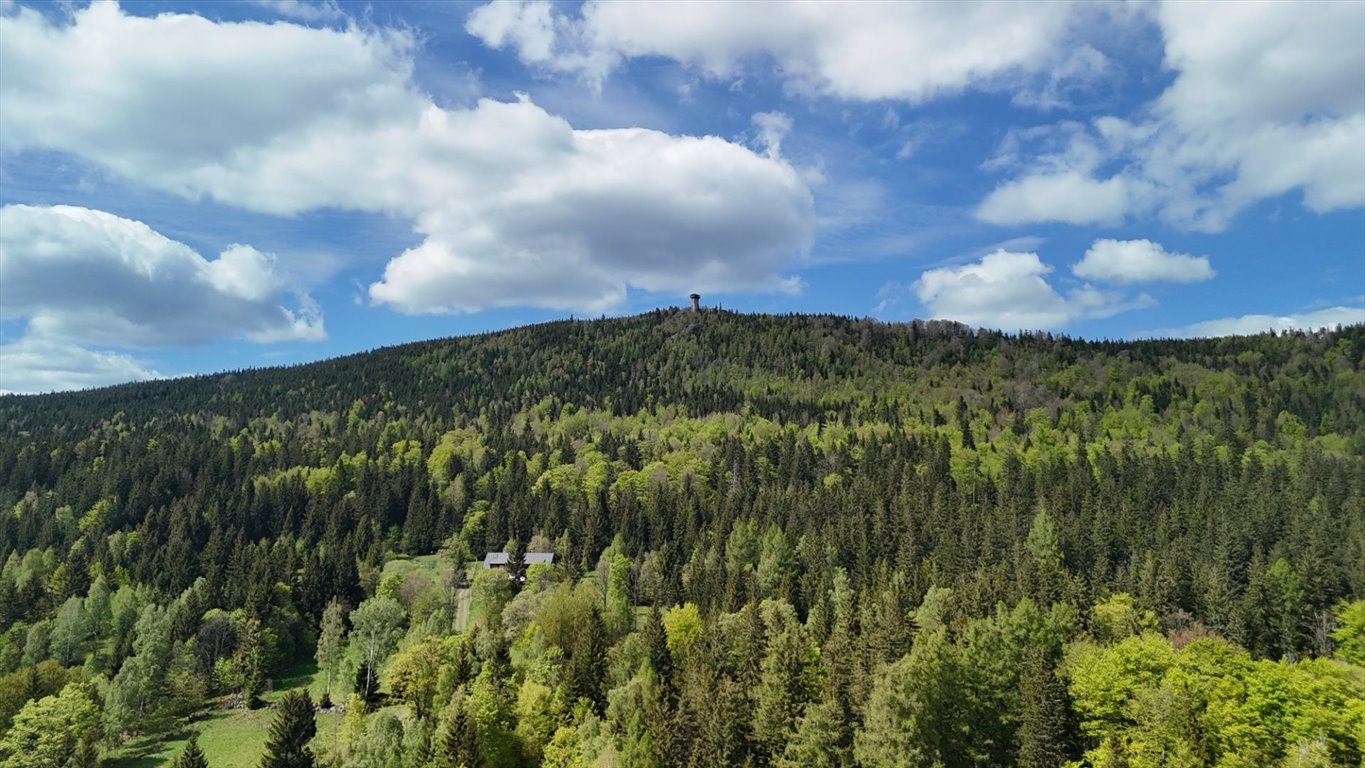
x: 773, y: 536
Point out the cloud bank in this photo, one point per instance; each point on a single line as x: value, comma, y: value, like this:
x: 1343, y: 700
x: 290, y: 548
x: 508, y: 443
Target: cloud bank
x: 515, y: 206
x: 83, y: 278
x: 851, y: 50
x: 1246, y: 325
x: 1009, y: 290
x: 1268, y: 99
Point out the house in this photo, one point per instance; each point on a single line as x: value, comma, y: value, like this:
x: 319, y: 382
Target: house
x: 499, y: 559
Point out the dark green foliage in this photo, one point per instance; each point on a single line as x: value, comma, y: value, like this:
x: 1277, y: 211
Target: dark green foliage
x: 191, y: 756
x: 459, y: 746
x: 859, y: 532
x: 293, y: 729
x: 1046, y: 734
x: 585, y: 672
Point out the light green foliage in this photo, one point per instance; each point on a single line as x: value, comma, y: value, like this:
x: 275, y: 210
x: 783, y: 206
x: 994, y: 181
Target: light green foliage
x: 742, y: 548
x: 1117, y: 618
x: 909, y: 719
x: 21, y: 686
x: 38, y: 642
x: 1210, y: 703
x: 565, y: 750
x: 682, y: 626
x: 97, y: 606
x: 1349, y: 634
x: 537, y: 713
x: 777, y: 562
x: 1105, y: 678
x: 492, y: 715
x: 383, y: 743
x: 490, y: 592
x: 619, y: 617
x: 1284, y: 588
x: 51, y: 730
x: 248, y: 662
x: 331, y: 643
x: 376, y: 626
x: 414, y: 675
x: 786, y: 681
x: 933, y: 610
x: 561, y: 613
x: 70, y: 632
x: 1045, y: 559
x: 133, y: 691
x: 816, y: 742
x: 185, y: 687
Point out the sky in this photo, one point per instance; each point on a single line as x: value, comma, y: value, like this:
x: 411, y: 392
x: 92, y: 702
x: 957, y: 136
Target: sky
x: 194, y: 187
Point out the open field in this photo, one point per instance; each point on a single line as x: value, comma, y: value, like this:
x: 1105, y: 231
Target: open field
x: 230, y: 738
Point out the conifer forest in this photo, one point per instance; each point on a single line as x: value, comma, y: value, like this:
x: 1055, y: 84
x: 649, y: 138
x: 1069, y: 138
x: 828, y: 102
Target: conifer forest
x: 773, y: 541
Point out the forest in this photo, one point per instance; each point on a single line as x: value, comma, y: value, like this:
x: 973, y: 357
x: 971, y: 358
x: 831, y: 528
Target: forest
x: 777, y: 541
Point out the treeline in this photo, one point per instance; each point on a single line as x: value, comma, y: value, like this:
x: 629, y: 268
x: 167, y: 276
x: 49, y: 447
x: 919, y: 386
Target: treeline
x: 779, y: 541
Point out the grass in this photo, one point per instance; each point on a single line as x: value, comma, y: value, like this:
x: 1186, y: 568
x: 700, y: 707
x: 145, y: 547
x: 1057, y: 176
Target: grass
x: 231, y: 738
x: 235, y: 738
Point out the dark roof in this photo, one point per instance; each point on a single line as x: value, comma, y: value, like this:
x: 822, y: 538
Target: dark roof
x: 496, y: 559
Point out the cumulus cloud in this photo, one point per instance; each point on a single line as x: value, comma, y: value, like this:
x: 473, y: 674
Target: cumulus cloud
x: 1071, y: 196
x: 1140, y: 261
x: 1267, y: 99
x: 1245, y: 325
x: 90, y: 277
x: 34, y: 365
x: 852, y: 50
x: 1010, y: 290
x: 516, y: 206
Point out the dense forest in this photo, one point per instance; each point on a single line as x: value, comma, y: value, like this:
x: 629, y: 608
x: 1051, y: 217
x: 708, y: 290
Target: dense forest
x: 778, y: 541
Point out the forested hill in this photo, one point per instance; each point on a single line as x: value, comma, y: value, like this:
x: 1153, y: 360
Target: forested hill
x: 793, y: 367
x: 779, y: 540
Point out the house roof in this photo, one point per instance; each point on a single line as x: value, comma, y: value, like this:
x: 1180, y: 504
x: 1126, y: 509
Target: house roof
x: 496, y: 559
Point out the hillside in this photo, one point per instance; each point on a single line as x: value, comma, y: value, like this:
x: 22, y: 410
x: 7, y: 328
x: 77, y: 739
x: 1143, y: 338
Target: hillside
x: 867, y: 544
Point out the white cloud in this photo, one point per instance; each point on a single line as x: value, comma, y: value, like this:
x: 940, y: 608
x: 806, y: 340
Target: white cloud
x: 33, y: 365
x: 1140, y: 261
x: 1268, y: 99
x: 1009, y: 290
x: 1080, y: 69
x: 1070, y: 196
x: 515, y: 205
x: 772, y: 127
x: 88, y: 277
x: 1251, y: 324
x: 325, y: 10
x: 852, y: 50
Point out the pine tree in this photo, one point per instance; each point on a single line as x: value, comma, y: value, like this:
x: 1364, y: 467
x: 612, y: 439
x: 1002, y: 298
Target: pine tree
x: 294, y: 727
x: 1044, y: 735
x: 587, y: 666
x: 191, y: 756
x: 460, y: 748
x: 817, y: 741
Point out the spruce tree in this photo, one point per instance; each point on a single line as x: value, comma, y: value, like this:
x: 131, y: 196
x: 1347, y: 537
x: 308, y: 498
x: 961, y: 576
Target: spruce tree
x: 1044, y: 735
x: 460, y: 748
x: 587, y: 666
x: 293, y: 729
x: 191, y: 756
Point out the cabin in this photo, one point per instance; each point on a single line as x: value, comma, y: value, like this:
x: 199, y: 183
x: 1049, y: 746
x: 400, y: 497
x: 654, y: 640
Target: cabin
x: 499, y: 559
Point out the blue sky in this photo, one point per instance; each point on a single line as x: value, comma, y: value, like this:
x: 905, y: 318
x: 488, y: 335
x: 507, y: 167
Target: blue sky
x: 195, y: 187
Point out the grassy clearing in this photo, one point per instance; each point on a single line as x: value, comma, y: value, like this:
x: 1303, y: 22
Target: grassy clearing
x: 231, y: 738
